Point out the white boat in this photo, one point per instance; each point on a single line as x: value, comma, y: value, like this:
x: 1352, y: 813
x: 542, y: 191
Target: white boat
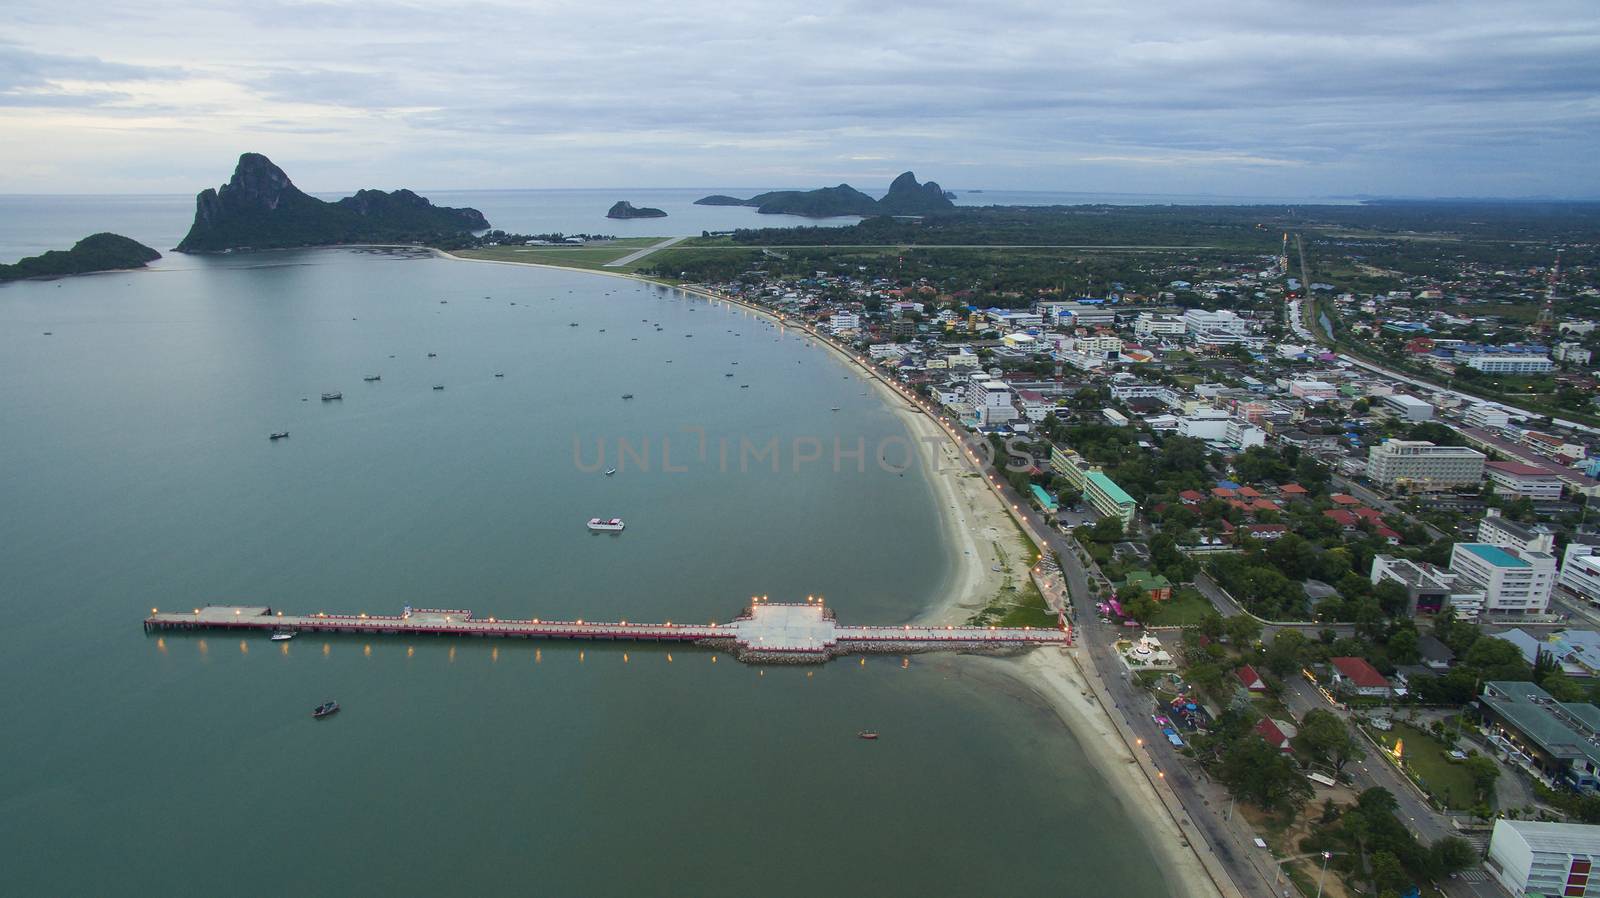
x: 329, y: 397
x: 610, y: 471
x: 282, y: 636
x: 612, y: 525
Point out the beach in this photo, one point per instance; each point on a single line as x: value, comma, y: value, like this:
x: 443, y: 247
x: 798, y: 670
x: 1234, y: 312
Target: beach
x: 981, y: 536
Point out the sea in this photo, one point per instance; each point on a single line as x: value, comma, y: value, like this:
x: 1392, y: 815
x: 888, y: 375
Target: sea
x: 136, y: 473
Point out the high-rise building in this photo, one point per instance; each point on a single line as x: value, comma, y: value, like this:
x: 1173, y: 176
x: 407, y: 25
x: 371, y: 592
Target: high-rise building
x: 1513, y: 582
x: 1420, y: 465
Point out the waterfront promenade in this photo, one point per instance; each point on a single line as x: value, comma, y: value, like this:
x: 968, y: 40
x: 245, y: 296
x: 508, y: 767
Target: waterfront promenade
x: 765, y: 632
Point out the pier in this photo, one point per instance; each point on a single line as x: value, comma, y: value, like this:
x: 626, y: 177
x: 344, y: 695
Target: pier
x: 765, y: 632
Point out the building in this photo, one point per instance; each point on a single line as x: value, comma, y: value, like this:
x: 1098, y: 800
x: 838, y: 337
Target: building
x: 1428, y: 588
x: 1313, y: 390
x: 1558, y: 741
x: 1533, y: 858
x: 1217, y: 426
x: 1114, y: 417
x: 1006, y: 320
x: 1497, y: 530
x: 1512, y: 582
x: 1108, y: 498
x: 839, y: 322
x: 1277, y: 733
x: 1487, y: 416
x: 1250, y: 679
x: 1580, y: 574
x: 1420, y: 465
x: 990, y: 401
x: 1510, y: 363
x: 1156, y: 586
x: 1218, y: 328
x: 1149, y: 325
x: 1522, y: 481
x: 1357, y: 677
x: 1408, y: 408
x: 1573, y: 353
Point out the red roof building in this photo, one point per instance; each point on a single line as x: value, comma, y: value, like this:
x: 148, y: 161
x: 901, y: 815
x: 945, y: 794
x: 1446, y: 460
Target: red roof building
x: 1251, y: 680
x: 1192, y: 497
x: 1246, y: 492
x: 1345, y: 500
x: 1368, y: 514
x: 1293, y: 491
x: 1222, y: 492
x: 1356, y: 675
x: 1343, y: 518
x: 1273, y: 731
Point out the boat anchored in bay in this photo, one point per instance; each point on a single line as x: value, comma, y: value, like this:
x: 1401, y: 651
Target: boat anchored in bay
x: 606, y: 525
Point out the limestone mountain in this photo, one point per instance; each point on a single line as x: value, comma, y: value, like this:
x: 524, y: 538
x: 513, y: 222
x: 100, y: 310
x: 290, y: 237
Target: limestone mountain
x: 625, y: 209
x: 260, y: 208
x: 907, y: 197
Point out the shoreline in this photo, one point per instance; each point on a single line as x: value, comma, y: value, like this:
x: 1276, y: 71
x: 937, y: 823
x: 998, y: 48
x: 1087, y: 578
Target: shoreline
x: 967, y: 508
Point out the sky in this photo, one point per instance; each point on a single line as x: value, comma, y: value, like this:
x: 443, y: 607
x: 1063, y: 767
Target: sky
x: 1219, y: 97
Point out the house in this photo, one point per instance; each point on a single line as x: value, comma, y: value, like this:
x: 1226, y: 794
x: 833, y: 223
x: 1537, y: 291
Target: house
x: 1277, y: 733
x: 1156, y: 586
x: 1345, y: 519
x: 1344, y: 501
x: 1191, y: 497
x: 1435, y: 654
x: 1251, y: 679
x: 1260, y: 531
x: 1356, y: 676
x: 1293, y: 491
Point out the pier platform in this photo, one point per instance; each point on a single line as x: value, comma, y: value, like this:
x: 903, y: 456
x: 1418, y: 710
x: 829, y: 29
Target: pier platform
x: 765, y: 632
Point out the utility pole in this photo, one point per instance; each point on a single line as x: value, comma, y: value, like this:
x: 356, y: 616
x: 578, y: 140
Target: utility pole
x: 1321, y: 877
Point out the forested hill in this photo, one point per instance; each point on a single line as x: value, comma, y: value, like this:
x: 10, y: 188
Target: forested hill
x: 97, y: 252
x: 260, y: 208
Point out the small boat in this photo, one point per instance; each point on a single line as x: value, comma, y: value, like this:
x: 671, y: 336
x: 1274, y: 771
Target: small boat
x: 834, y: 409
x: 372, y: 377
x: 325, y: 709
x: 611, y: 525
x: 627, y: 395
x: 282, y: 635
x: 279, y: 435
x: 868, y: 735
x: 729, y: 374
x: 573, y: 324
x: 438, y: 386
x: 499, y: 374
x: 329, y: 397
x: 610, y: 471
x: 433, y: 355
x: 744, y: 386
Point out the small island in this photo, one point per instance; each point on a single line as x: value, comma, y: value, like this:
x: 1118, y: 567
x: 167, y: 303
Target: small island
x: 625, y: 209
x: 260, y: 208
x: 905, y: 197
x: 97, y: 252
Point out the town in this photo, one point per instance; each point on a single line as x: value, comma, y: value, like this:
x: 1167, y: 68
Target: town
x: 1332, y: 534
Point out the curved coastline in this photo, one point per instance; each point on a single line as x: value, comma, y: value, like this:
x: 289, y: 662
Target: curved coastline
x: 968, y: 507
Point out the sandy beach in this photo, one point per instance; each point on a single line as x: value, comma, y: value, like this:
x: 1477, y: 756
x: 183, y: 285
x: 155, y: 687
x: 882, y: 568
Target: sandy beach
x: 987, y: 550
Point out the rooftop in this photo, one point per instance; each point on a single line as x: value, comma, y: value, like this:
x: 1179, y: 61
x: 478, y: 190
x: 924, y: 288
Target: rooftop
x: 1555, y: 838
x: 1109, y: 487
x: 1493, y: 555
x: 1565, y: 730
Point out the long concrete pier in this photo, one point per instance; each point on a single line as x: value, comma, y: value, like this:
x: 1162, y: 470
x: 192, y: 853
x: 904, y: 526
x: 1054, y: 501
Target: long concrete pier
x: 765, y: 632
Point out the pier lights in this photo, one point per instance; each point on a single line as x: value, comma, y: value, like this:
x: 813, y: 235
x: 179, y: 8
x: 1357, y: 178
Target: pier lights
x: 197, y: 611
x: 580, y: 620
x: 152, y: 611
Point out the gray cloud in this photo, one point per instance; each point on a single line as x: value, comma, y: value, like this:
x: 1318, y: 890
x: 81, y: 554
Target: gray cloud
x: 1296, y: 96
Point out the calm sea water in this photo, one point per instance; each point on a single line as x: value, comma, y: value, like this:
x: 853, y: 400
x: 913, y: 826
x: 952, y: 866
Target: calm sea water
x: 135, y: 472
x: 30, y: 225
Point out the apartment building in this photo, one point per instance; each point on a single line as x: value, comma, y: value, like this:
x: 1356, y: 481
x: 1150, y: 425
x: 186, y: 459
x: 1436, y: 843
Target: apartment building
x: 1420, y: 465
x: 1523, y: 481
x: 1512, y: 582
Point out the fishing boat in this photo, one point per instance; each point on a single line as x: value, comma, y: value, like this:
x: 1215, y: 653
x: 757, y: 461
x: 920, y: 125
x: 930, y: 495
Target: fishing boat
x: 372, y: 377
x: 834, y: 409
x: 438, y: 386
x: 433, y: 355
x: 282, y: 635
x: 279, y: 435
x: 610, y: 471
x: 329, y: 397
x: 868, y: 735
x: 325, y: 709
x: 608, y: 525
x: 627, y: 395
x: 499, y: 374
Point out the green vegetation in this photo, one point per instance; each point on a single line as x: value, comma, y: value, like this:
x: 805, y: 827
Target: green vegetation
x: 905, y: 197
x: 588, y: 255
x: 1370, y: 843
x: 1014, y: 607
x: 625, y: 209
x: 1186, y: 608
x: 97, y: 252
x: 261, y: 208
x: 1426, y: 760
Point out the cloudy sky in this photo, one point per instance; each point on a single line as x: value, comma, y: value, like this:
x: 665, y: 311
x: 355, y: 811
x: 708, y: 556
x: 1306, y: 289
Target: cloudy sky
x: 1283, y: 98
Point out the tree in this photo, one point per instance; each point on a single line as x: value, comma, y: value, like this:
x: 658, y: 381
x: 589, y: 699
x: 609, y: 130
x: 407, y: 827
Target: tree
x: 1205, y: 675
x: 1403, y: 646
x: 1496, y: 659
x: 1387, y: 873
x: 1285, y: 655
x: 1484, y: 772
x: 1243, y: 630
x: 1325, y: 737
x: 1259, y: 773
x: 1211, y: 626
x: 1452, y: 854
x: 1562, y: 688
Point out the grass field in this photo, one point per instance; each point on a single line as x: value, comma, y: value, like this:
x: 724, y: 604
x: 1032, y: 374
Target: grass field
x: 589, y: 255
x: 1184, y: 609
x: 1424, y: 757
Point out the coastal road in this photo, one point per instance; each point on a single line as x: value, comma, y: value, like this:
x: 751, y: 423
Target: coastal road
x: 634, y: 257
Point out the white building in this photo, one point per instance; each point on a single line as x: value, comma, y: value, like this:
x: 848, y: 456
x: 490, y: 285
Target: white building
x: 1580, y: 573
x: 1485, y: 415
x: 1421, y: 465
x: 1512, y: 582
x: 1149, y: 325
x: 1219, y: 328
x: 1408, y: 408
x: 1217, y: 426
x: 1497, y: 530
x: 839, y: 322
x: 1522, y: 481
x: 1531, y: 858
x: 1107, y: 345
x: 1510, y: 363
x: 1574, y: 353
x: 1313, y: 390
x: 991, y: 402
x: 1006, y: 320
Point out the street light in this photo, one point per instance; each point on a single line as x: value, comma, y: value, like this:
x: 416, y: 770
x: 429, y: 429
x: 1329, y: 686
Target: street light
x: 1324, y: 874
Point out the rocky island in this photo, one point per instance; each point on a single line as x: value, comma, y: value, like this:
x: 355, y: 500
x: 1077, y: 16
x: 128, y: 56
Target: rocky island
x: 905, y: 197
x: 625, y: 209
x: 260, y: 208
x: 97, y: 252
